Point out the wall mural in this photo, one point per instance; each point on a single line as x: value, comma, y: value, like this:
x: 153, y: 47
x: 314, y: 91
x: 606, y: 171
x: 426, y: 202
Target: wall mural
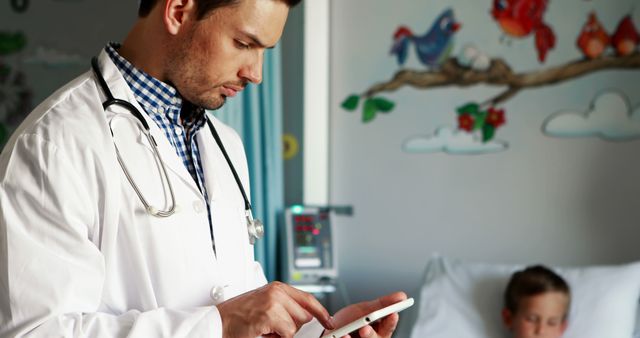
x: 19, y: 6
x: 610, y: 117
x: 53, y: 58
x: 290, y: 146
x: 23, y: 57
x: 15, y: 94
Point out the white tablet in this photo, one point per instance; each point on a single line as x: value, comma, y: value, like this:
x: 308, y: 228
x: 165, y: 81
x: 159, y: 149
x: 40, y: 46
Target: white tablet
x: 370, y: 318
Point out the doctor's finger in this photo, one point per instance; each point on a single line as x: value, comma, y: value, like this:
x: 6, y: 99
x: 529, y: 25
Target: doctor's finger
x: 391, y: 299
x: 387, y: 325
x: 297, y: 313
x: 312, y: 305
x: 366, y: 332
x: 284, y: 325
x: 381, y: 302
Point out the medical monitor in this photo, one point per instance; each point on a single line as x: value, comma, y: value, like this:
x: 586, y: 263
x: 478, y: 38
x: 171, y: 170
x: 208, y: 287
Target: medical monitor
x: 310, y: 256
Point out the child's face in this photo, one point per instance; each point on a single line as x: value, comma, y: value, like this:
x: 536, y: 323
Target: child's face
x: 540, y: 316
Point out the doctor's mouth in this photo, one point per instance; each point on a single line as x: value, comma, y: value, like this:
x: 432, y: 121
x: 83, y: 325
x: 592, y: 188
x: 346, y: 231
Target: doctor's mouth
x: 231, y: 90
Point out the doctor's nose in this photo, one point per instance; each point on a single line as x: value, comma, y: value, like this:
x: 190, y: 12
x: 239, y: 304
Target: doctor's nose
x: 252, y: 71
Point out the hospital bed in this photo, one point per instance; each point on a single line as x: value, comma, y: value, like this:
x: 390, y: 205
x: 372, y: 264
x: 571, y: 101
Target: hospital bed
x: 459, y: 299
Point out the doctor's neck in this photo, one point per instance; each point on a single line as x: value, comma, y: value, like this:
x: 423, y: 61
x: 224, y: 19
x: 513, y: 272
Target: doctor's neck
x: 148, y: 44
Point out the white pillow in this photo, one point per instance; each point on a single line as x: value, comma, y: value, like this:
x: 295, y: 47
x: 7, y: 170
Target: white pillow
x: 464, y: 300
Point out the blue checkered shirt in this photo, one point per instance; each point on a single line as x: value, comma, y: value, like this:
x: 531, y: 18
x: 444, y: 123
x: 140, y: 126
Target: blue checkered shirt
x: 163, y: 104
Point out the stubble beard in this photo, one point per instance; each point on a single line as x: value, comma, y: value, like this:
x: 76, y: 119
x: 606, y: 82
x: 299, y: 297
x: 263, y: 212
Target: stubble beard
x: 184, y: 67
x: 191, y: 91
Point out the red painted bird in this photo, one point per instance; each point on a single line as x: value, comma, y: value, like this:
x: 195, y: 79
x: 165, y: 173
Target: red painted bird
x: 593, y: 39
x: 626, y: 38
x: 520, y: 18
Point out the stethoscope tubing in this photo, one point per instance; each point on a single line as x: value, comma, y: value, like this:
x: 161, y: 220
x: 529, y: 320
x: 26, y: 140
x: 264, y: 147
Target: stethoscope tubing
x: 136, y: 113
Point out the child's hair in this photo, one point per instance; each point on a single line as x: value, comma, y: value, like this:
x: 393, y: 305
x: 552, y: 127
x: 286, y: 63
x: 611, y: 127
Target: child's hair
x: 533, y: 280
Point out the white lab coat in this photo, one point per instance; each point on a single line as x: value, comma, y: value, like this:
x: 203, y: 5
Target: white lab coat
x: 79, y: 256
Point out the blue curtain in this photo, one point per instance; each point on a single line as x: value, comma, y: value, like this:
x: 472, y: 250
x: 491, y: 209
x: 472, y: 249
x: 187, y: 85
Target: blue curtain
x: 257, y: 116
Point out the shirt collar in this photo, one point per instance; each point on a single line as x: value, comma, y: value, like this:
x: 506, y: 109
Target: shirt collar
x: 153, y: 95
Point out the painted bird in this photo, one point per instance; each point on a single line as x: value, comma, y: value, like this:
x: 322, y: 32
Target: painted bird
x: 432, y: 48
x: 593, y: 40
x: 520, y: 18
x: 626, y: 38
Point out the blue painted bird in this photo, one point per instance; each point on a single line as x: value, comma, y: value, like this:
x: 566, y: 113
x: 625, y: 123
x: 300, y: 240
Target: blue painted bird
x: 432, y: 48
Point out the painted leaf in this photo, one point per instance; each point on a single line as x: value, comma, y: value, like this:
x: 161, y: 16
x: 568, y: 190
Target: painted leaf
x: 481, y: 119
x: 369, y: 111
x: 488, y: 132
x: 11, y: 43
x: 351, y: 103
x: 383, y: 105
x: 469, y: 108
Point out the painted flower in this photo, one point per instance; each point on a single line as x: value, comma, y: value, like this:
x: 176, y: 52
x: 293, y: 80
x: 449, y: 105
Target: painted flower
x: 496, y: 117
x: 466, y: 122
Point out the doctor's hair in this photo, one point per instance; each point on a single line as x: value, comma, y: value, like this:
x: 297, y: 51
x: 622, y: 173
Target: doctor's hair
x: 203, y: 7
x: 533, y: 281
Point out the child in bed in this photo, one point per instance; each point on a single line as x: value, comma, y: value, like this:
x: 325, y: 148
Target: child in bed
x: 536, y: 303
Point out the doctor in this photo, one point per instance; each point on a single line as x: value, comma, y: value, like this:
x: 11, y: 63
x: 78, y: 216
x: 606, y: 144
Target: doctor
x: 106, y: 231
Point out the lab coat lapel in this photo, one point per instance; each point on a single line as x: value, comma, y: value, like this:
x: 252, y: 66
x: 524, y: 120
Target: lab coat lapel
x: 120, y: 89
x: 229, y: 220
x: 211, y: 157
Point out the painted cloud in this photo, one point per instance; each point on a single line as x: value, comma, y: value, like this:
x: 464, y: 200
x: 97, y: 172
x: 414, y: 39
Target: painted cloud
x: 610, y: 117
x: 54, y: 58
x: 453, y: 142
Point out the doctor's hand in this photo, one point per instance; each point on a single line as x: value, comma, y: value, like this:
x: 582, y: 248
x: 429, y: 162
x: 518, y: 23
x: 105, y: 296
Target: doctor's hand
x: 383, y: 328
x: 274, y: 310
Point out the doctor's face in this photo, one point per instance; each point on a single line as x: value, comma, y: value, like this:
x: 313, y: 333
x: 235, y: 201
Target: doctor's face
x: 216, y: 57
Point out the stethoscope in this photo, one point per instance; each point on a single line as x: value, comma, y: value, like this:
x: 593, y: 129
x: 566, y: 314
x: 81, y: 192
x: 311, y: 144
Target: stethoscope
x: 254, y: 226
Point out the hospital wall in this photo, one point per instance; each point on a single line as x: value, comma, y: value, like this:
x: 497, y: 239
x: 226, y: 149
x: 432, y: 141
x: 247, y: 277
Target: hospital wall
x: 45, y: 44
x: 530, y: 194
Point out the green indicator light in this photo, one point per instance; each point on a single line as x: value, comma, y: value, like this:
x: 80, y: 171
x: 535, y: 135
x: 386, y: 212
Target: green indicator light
x: 297, y: 209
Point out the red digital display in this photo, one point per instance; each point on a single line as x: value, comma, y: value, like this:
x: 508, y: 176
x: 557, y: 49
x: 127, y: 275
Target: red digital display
x: 303, y: 219
x: 307, y: 224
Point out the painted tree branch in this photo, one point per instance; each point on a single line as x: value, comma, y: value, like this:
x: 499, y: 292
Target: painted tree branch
x: 500, y: 74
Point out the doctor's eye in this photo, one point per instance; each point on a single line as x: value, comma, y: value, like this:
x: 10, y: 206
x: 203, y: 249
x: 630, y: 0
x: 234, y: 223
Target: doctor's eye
x: 242, y: 45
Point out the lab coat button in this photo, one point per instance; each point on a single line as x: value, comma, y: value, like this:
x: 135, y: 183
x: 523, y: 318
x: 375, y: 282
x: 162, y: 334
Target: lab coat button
x: 217, y: 294
x: 198, y: 206
x: 178, y: 131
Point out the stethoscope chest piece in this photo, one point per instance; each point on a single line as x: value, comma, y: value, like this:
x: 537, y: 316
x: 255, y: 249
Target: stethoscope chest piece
x: 254, y: 227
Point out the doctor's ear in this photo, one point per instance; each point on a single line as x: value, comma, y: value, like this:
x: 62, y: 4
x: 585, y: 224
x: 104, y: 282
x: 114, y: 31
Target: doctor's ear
x: 176, y: 12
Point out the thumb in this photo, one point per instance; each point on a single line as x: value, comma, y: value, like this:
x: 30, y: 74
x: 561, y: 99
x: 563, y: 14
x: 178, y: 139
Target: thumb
x: 381, y: 302
x: 392, y: 298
